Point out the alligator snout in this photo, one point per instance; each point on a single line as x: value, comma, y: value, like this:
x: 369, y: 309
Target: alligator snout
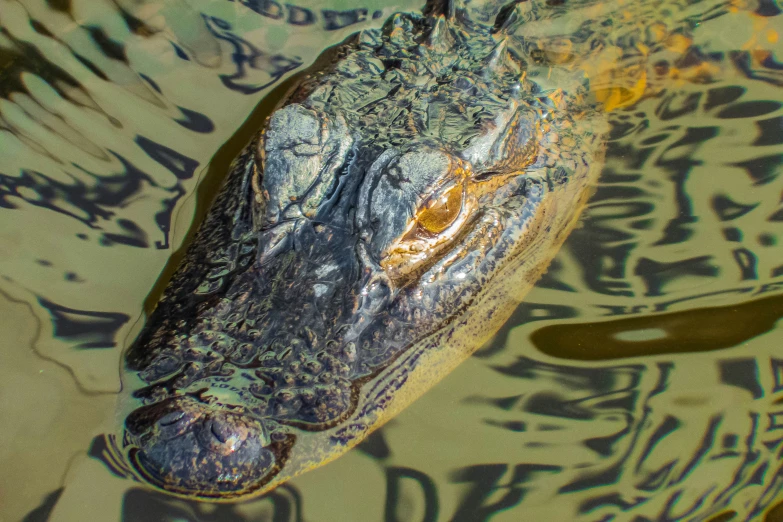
x: 190, y: 447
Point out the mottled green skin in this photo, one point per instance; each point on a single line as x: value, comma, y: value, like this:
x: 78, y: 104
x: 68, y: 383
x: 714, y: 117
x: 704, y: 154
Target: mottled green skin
x: 281, y: 341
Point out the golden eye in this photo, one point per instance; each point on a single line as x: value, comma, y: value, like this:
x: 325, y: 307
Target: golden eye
x: 440, y: 212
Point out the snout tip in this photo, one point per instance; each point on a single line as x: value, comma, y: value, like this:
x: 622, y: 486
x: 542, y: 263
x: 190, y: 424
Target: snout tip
x: 192, y: 449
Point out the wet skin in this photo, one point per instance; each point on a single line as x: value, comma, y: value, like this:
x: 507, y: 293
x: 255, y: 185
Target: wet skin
x: 380, y: 227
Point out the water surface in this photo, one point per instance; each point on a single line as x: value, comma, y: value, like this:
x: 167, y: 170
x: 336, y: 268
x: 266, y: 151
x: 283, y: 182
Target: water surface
x: 640, y: 380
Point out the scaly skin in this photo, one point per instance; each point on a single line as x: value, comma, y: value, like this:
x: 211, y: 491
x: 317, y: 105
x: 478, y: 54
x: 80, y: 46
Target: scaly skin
x: 380, y: 228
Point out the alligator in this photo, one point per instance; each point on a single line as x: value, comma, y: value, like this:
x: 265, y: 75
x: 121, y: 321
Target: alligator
x: 381, y: 226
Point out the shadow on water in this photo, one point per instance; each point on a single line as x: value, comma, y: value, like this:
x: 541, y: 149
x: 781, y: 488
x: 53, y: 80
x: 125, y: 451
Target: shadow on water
x: 142, y: 505
x: 697, y: 330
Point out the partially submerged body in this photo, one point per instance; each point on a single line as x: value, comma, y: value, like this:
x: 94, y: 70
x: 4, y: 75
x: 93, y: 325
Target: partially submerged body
x: 379, y: 229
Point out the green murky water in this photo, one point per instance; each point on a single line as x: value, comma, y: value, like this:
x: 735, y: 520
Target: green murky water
x: 640, y: 380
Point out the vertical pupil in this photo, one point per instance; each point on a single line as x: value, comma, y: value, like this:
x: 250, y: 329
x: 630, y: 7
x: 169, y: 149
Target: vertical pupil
x: 441, y: 212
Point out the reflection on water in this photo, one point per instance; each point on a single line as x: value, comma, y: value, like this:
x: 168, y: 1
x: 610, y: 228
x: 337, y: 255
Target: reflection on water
x: 640, y: 380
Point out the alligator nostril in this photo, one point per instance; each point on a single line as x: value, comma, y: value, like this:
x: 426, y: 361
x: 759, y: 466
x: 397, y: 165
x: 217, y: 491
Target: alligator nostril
x: 220, y: 433
x: 376, y: 292
x: 171, y: 418
x: 175, y: 423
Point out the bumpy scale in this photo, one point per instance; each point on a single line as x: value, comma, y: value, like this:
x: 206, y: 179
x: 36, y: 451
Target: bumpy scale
x: 384, y: 223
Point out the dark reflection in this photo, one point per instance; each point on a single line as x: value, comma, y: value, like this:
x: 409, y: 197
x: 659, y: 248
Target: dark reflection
x: 375, y: 446
x: 25, y: 58
x: 255, y: 69
x: 42, y: 512
x: 655, y: 431
x: 487, y: 480
x: 85, y: 329
x: 397, y: 506
x: 101, y: 449
x: 698, y: 330
x: 775, y: 514
x: 724, y: 517
x: 142, y: 505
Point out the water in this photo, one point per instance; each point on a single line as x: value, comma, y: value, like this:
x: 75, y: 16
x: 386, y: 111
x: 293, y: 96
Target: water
x: 640, y: 379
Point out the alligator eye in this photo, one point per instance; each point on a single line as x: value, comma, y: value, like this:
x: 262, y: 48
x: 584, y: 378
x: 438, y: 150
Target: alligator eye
x: 440, y: 212
x: 432, y: 229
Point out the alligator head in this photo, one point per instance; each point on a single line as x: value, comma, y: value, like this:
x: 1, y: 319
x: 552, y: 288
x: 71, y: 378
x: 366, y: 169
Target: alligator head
x: 382, y: 225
